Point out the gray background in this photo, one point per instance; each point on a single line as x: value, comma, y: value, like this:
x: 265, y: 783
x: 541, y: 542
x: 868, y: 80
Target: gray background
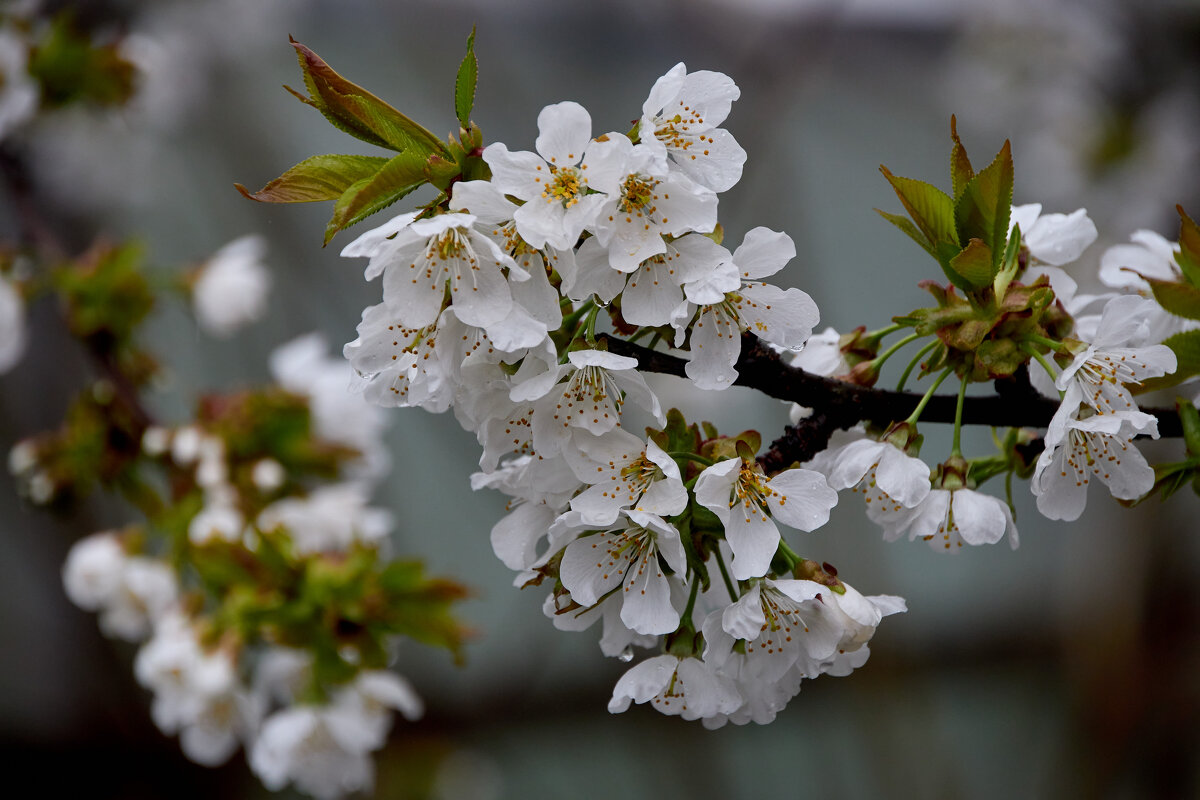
x: 1067, y: 667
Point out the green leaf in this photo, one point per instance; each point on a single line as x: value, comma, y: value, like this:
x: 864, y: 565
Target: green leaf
x: 932, y: 213
x: 1180, y: 299
x: 441, y: 172
x: 464, y: 83
x: 70, y: 68
x: 1187, y: 351
x: 961, y: 170
x: 1189, y: 418
x: 931, y: 209
x: 906, y: 225
x: 401, y: 175
x: 318, y: 178
x: 1188, y: 257
x: 359, y: 113
x: 1009, y: 265
x: 974, y: 264
x: 982, y: 211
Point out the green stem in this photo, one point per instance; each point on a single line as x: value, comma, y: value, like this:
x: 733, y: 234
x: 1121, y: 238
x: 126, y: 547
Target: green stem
x: 571, y: 321
x: 878, y: 361
x: 916, y: 414
x: 699, y: 459
x: 733, y: 595
x: 1057, y: 347
x: 956, y: 447
x: 916, y: 360
x: 589, y: 330
x: 685, y: 621
x: 1051, y: 371
x: 882, y: 332
x: 789, y: 553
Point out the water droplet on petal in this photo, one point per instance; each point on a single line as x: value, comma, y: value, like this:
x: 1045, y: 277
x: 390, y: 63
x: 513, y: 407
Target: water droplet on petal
x: 626, y: 655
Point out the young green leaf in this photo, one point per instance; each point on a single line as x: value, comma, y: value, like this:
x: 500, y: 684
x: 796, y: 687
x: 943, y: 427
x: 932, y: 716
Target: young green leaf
x: 961, y: 170
x: 906, y: 225
x: 464, y: 83
x: 356, y: 111
x: 1189, y: 417
x: 930, y: 208
x: 1188, y: 257
x: 974, y: 264
x: 400, y: 176
x: 324, y: 177
x: 1179, y: 298
x: 982, y: 210
x: 1010, y: 264
x: 1187, y: 351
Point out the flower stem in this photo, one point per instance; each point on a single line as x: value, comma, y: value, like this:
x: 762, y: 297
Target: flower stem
x: 956, y: 445
x: 1057, y: 347
x: 916, y: 414
x: 685, y: 621
x: 879, y: 360
x: 916, y: 360
x: 699, y: 459
x: 1051, y: 371
x: 733, y: 595
x: 791, y: 555
x: 882, y: 332
x: 589, y: 326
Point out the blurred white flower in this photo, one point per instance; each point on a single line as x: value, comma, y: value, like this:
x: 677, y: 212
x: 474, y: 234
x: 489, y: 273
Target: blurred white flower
x: 130, y: 592
x: 18, y: 92
x: 231, y: 289
x: 12, y: 325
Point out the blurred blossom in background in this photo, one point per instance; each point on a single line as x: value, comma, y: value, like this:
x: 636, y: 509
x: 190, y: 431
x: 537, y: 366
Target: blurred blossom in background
x: 1069, y: 667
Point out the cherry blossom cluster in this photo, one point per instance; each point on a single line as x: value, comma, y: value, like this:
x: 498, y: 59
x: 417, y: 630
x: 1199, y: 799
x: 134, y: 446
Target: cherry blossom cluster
x: 225, y: 667
x: 1107, y: 356
x: 491, y: 306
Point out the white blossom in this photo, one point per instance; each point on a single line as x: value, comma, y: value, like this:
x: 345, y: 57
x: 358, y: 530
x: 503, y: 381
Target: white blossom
x: 949, y: 518
x: 1053, y: 239
x: 626, y: 555
x: 749, y: 503
x: 591, y: 390
x: 420, y: 258
x: 1077, y: 449
x: 19, y: 93
x: 781, y: 317
x: 129, y: 592
x: 553, y: 182
x: 1126, y: 266
x: 624, y: 472
x: 329, y: 519
x: 681, y: 116
x: 324, y: 750
x: 687, y: 687
x: 232, y: 286
x: 1099, y: 375
x: 644, y: 203
x: 196, y: 692
x: 339, y: 415
x: 888, y: 477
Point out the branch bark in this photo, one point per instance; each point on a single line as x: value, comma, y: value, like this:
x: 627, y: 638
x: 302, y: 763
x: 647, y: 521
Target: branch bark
x: 837, y: 404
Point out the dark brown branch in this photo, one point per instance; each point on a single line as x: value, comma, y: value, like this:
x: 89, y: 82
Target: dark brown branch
x: 838, y: 404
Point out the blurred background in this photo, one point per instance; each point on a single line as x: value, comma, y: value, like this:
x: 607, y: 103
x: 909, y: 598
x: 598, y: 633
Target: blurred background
x: 1069, y: 667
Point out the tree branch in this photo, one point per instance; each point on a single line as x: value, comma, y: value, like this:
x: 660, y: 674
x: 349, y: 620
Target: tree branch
x: 837, y: 404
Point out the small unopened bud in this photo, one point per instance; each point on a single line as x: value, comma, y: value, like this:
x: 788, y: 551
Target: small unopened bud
x: 864, y: 373
x: 952, y: 474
